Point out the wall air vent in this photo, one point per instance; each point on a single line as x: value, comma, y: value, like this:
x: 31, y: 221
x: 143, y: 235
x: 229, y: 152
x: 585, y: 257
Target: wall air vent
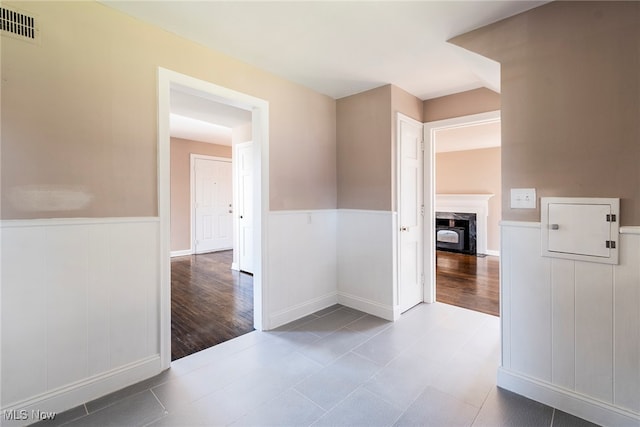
x: 19, y: 24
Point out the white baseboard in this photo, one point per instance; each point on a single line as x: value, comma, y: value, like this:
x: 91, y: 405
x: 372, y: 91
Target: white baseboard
x: 72, y: 395
x: 492, y: 252
x: 183, y: 252
x: 370, y: 307
x: 300, y: 310
x: 235, y: 266
x: 576, y: 404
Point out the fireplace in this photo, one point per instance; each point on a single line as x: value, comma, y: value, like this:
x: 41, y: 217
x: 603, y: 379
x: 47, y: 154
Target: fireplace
x: 462, y: 204
x: 456, y: 232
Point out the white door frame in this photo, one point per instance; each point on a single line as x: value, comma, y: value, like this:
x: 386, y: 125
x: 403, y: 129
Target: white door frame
x: 192, y: 189
x: 167, y: 80
x: 430, y: 130
x: 397, y: 235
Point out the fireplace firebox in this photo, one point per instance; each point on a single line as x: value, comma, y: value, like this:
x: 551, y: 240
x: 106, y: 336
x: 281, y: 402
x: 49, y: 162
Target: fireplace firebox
x: 456, y: 232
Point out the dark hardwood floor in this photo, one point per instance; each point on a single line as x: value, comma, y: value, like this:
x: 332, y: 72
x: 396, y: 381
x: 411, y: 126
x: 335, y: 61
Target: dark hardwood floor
x: 210, y: 303
x: 468, y: 281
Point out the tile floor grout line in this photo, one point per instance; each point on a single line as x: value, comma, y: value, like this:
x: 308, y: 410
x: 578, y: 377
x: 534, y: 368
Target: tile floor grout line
x: 482, y: 405
x: 361, y: 386
x: 293, y: 389
x: 166, y: 412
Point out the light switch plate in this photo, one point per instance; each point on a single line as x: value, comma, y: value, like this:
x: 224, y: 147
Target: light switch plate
x: 523, y: 198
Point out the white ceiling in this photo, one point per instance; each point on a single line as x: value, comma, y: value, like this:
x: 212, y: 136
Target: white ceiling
x: 338, y: 47
x: 197, y: 117
x: 334, y: 47
x: 468, y: 137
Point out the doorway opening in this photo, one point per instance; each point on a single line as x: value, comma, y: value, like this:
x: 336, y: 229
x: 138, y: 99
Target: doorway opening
x: 199, y: 237
x: 465, y: 194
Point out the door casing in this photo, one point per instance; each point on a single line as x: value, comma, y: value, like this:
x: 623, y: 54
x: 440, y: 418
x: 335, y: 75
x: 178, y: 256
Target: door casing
x: 430, y: 133
x: 167, y: 80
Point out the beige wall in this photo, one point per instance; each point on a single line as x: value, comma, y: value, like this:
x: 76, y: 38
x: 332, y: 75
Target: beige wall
x: 404, y: 103
x: 79, y: 117
x: 366, y: 146
x: 473, y: 172
x: 364, y: 150
x: 181, y: 150
x: 461, y: 104
x: 570, y: 101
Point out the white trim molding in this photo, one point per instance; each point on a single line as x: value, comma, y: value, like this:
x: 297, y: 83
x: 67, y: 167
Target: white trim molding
x: 629, y: 230
x: 78, y: 393
x: 384, y: 311
x: 183, y: 252
x: 305, y: 308
x: 573, y: 403
x: 430, y: 131
x: 169, y: 80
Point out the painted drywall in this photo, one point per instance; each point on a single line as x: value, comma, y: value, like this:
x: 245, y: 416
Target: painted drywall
x: 570, y: 101
x: 405, y: 103
x: 402, y: 102
x: 474, y: 172
x: 461, y: 104
x: 79, y: 140
x: 363, y: 138
x: 366, y: 146
x: 181, y: 150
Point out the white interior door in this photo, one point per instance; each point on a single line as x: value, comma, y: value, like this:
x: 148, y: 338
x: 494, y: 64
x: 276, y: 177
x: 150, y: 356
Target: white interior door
x: 213, y: 195
x: 245, y: 206
x: 410, y: 213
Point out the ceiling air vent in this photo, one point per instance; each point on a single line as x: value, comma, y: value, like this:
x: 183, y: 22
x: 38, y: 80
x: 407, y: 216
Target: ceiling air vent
x: 19, y: 24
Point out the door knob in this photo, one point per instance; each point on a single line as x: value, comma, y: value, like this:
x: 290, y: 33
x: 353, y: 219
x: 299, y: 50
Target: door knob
x: 404, y: 228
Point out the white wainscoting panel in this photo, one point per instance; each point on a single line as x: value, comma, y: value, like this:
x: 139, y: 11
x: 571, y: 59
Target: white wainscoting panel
x: 80, y: 306
x: 571, y: 328
x: 530, y: 294
x: 366, y: 274
x: 626, y: 323
x: 563, y: 324
x: 594, y: 330
x: 301, y: 264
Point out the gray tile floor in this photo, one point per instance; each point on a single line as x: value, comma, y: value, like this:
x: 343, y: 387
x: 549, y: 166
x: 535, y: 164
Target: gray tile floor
x: 436, y: 366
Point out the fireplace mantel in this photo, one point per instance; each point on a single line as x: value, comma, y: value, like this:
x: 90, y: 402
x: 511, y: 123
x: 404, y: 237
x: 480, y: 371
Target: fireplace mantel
x: 468, y: 203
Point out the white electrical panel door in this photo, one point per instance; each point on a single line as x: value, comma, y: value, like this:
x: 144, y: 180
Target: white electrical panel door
x: 580, y: 228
